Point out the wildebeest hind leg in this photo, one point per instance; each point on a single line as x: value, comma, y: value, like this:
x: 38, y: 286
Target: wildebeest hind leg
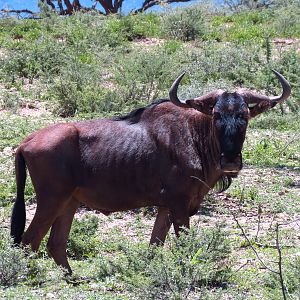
x: 161, y: 226
x: 48, y: 209
x: 58, y: 239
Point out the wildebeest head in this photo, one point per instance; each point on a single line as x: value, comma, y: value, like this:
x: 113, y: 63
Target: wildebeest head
x: 230, y: 113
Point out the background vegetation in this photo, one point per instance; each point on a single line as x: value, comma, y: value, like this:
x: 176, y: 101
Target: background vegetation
x: 90, y: 66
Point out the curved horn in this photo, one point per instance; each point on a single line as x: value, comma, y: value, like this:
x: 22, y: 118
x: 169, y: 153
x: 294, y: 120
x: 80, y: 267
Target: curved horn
x: 286, y: 89
x: 252, y: 97
x: 173, y: 93
x: 203, y: 103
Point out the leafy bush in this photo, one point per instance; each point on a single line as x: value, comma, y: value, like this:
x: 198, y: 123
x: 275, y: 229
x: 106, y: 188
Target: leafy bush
x: 134, y: 26
x: 83, y: 240
x: 16, y: 266
x: 184, y: 24
x: 271, y: 149
x: 241, y: 65
x: 42, y: 58
x: 291, y: 277
x: 13, y: 265
x: 274, y: 120
x: 142, y: 76
x: 77, y: 90
x: 198, y: 258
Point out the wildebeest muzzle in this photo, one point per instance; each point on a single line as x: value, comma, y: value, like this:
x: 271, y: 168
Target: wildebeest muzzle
x: 231, y: 164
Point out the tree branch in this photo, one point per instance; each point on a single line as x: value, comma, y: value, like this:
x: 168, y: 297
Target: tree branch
x: 18, y: 11
x: 150, y: 3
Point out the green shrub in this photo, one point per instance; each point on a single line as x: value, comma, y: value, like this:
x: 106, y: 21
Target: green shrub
x: 291, y: 277
x: 77, y: 89
x: 134, y: 26
x: 83, y: 240
x: 143, y: 76
x: 241, y: 65
x: 288, y: 64
x: 241, y: 27
x: 271, y: 149
x: 274, y: 120
x: 286, y: 18
x: 198, y: 258
x: 195, y: 259
x: 41, y: 59
x: 184, y: 24
x: 13, y: 266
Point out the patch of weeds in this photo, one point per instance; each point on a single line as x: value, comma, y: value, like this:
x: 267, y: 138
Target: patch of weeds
x: 196, y: 259
x: 228, y: 62
x: 20, y: 268
x: 43, y: 58
x: 286, y: 21
x: 83, y: 240
x: 288, y: 182
x: 271, y: 149
x: 13, y: 265
x: 249, y: 194
x: 291, y: 277
x: 273, y: 120
x: 136, y: 26
x: 172, y: 46
x: 142, y: 77
x: 240, y: 27
x: 199, y: 258
x: 10, y: 101
x: 184, y: 24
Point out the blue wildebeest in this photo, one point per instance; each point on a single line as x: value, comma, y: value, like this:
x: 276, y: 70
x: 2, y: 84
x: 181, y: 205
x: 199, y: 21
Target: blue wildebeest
x: 168, y: 154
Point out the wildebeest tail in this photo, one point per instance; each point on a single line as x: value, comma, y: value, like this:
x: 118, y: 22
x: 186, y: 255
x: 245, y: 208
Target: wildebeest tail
x: 18, y: 218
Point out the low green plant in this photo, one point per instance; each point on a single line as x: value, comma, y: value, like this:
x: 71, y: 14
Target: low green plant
x: 291, y: 278
x: 83, y: 240
x: 184, y: 24
x: 267, y: 150
x: 10, y: 101
x: 136, y: 26
x: 144, y: 76
x: 198, y: 258
x: 13, y: 265
x: 43, y: 58
x: 275, y: 120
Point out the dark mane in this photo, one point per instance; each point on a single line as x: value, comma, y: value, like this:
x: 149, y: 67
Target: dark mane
x: 134, y: 116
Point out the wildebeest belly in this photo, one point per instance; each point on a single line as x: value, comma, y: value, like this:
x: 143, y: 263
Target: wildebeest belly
x: 111, y: 198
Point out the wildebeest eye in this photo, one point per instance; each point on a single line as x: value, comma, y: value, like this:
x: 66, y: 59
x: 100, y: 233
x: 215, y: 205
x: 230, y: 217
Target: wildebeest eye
x: 217, y: 116
x: 240, y: 116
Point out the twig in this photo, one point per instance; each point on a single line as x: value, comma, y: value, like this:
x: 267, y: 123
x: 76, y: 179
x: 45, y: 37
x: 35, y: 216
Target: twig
x: 283, y: 288
x: 251, y: 246
x: 272, y: 246
x: 259, y: 211
x: 289, y: 223
x: 241, y: 267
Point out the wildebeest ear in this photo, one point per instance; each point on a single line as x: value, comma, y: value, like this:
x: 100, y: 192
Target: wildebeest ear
x: 259, y: 108
x: 262, y: 102
x: 205, y: 103
x: 205, y: 108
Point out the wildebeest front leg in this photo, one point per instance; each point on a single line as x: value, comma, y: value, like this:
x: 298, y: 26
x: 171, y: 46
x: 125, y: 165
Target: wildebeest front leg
x: 180, y: 216
x: 161, y: 226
